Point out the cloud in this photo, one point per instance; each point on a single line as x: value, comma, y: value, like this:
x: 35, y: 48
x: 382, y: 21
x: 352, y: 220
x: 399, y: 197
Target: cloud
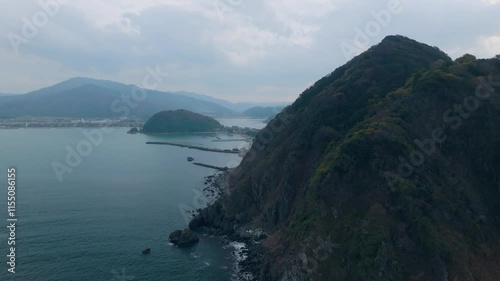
x: 106, y: 13
x: 489, y: 46
x: 483, y: 47
x: 491, y: 2
x: 237, y: 49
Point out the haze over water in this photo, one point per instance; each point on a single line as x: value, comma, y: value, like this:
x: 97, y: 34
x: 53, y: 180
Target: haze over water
x: 122, y: 198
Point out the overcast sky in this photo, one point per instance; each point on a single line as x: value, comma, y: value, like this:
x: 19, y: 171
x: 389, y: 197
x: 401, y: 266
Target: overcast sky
x: 240, y: 50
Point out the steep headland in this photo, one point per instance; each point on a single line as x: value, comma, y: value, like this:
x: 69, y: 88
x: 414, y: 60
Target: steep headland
x: 386, y: 169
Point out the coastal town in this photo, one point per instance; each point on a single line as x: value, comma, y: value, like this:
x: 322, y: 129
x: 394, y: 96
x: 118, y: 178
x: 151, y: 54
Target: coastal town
x: 66, y: 122
x: 62, y: 122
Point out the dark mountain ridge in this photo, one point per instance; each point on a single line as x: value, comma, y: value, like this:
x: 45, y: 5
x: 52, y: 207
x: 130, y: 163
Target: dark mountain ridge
x: 386, y: 169
x: 89, y: 98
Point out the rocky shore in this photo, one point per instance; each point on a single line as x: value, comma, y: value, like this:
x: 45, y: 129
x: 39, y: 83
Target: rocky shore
x: 183, y: 238
x: 248, y: 253
x: 213, y: 187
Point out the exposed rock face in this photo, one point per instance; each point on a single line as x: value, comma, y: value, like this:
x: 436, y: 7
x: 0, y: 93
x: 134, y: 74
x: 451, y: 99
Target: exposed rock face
x: 386, y: 169
x: 183, y: 238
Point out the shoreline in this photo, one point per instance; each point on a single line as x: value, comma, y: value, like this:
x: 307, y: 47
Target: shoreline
x: 248, y: 253
x: 242, y: 250
x: 63, y: 127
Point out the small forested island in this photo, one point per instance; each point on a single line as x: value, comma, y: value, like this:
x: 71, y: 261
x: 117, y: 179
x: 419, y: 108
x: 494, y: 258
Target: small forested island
x: 180, y: 121
x: 133, y: 131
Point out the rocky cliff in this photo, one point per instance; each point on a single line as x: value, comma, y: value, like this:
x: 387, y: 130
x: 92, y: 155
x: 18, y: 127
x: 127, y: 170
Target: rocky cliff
x: 386, y: 169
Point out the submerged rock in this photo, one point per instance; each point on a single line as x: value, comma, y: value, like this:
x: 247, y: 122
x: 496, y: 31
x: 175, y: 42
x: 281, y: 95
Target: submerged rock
x: 183, y: 238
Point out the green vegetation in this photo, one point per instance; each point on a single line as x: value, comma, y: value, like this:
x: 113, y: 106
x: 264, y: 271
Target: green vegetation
x: 466, y: 59
x: 180, y: 121
x: 336, y: 171
x: 262, y: 112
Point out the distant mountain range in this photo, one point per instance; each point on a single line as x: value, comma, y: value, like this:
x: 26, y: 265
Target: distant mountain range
x: 91, y: 98
x: 237, y: 107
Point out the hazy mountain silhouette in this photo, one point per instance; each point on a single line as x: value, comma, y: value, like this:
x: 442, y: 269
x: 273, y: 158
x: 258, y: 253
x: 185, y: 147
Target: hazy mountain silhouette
x: 86, y: 97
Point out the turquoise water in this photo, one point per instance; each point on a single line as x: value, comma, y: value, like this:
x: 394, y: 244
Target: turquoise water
x: 122, y: 197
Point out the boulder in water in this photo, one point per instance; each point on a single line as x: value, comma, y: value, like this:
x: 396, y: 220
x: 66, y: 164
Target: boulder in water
x: 183, y: 238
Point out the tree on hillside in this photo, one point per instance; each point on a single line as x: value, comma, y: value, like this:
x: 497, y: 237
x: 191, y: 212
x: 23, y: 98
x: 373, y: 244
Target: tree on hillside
x: 466, y: 59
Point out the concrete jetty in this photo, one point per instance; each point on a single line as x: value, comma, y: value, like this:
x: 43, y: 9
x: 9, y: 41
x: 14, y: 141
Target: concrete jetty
x: 211, y: 166
x: 234, y: 151
x: 231, y: 140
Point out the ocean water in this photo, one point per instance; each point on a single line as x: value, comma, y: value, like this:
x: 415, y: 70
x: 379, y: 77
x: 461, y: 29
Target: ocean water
x: 243, y: 122
x: 122, y: 197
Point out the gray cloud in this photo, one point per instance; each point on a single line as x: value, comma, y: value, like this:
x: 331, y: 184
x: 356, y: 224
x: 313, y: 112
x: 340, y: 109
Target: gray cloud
x: 242, y: 50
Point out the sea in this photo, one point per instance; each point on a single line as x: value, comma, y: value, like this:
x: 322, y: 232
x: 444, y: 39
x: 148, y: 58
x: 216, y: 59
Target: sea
x: 86, y: 206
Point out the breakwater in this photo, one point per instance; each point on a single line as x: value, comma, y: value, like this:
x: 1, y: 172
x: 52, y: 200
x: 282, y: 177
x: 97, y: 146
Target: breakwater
x: 233, y: 151
x: 232, y: 140
x: 211, y: 166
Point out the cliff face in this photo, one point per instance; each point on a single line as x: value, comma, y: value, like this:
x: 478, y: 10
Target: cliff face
x: 386, y: 169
